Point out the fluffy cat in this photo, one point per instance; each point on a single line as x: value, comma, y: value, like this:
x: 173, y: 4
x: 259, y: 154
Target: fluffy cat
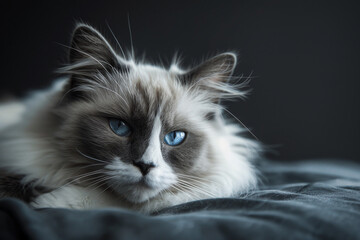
x: 115, y: 132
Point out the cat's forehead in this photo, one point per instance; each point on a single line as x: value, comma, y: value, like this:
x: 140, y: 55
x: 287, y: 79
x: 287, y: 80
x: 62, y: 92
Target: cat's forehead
x: 156, y: 78
x: 156, y: 92
x: 146, y: 92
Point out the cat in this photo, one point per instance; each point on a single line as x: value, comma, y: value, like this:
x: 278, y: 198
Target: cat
x: 114, y: 132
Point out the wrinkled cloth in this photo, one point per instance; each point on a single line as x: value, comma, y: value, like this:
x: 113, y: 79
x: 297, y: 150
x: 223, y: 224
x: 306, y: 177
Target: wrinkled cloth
x: 303, y: 200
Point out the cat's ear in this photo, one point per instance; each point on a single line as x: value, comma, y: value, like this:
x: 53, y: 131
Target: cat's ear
x: 91, y: 59
x: 88, y: 44
x: 212, y: 77
x: 216, y: 69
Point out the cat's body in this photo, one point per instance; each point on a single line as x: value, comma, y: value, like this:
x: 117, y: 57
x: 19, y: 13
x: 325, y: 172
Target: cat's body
x: 118, y: 133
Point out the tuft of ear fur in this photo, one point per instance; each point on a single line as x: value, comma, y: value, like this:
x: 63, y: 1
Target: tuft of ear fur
x: 217, y: 69
x: 88, y: 44
x: 213, y: 76
x: 91, y: 59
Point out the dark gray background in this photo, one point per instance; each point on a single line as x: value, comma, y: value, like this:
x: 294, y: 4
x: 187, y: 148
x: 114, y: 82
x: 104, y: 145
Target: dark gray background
x: 305, y: 55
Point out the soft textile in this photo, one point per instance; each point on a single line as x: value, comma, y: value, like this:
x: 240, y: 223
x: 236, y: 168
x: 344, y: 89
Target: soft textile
x: 304, y: 200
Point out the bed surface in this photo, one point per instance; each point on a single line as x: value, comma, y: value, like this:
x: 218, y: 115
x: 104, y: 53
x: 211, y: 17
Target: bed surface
x: 303, y: 200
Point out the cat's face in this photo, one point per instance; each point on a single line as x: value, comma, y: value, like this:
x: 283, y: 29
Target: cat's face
x: 137, y: 129
x: 130, y: 132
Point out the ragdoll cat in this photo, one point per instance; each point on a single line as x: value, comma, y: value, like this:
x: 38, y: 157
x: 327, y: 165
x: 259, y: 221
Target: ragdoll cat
x: 115, y: 132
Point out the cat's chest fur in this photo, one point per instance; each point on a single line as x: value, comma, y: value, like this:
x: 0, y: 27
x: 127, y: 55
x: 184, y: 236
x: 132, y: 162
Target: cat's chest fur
x: 116, y: 133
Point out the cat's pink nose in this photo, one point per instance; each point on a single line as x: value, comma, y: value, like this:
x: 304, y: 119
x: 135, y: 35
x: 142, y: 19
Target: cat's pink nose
x: 143, y: 167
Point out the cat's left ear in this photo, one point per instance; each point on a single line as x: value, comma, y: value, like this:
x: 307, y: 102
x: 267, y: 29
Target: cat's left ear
x: 216, y: 69
x: 212, y: 76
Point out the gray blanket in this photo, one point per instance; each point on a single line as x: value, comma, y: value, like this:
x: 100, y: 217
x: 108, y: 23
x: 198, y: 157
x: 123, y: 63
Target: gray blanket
x: 308, y: 200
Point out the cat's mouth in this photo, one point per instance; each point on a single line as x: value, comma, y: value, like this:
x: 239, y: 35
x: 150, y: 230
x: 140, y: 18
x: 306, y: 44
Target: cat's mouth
x: 137, y: 187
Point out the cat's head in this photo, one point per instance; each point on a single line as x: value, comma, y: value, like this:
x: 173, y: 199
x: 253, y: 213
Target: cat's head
x: 139, y: 129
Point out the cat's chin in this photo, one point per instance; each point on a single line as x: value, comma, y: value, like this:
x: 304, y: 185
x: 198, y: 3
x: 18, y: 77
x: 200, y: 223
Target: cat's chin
x: 137, y: 193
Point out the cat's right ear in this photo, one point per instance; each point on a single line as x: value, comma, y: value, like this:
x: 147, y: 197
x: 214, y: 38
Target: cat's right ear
x: 90, y: 51
x: 90, y: 55
x: 88, y: 44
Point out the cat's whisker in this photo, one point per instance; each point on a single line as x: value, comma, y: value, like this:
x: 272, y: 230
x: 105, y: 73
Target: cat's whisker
x: 180, y: 190
x: 102, y: 183
x: 92, y: 165
x: 190, y: 176
x: 204, y: 182
x: 190, y: 192
x: 99, y: 184
x: 193, y: 186
x: 197, y: 189
x: 237, y: 119
x: 88, y: 178
x: 91, y: 172
x: 92, y: 158
x: 131, y: 39
x: 163, y: 192
x: 201, y: 179
x: 81, y: 176
x: 169, y: 191
x: 196, y: 180
x: 111, y: 186
x: 117, y: 41
x: 85, y: 174
x: 104, y: 179
x: 103, y: 191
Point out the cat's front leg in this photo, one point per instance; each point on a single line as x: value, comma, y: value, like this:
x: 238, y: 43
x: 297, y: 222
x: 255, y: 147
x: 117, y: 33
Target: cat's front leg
x: 76, y: 197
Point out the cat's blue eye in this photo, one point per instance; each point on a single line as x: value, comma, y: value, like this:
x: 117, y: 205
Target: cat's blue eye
x: 174, y: 138
x: 119, y: 127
